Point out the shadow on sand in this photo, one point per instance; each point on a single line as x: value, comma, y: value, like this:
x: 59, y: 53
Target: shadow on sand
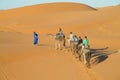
x: 43, y: 45
x: 99, y: 55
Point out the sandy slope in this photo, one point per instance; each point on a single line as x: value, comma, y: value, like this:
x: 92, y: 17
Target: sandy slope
x: 20, y: 60
x: 23, y: 61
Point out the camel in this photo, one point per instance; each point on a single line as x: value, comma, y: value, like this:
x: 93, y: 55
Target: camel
x: 81, y: 52
x: 59, y: 41
x: 85, y: 56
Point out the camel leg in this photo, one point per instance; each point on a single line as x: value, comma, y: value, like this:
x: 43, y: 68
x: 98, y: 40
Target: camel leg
x: 63, y: 44
x: 69, y: 43
x: 80, y: 53
x: 59, y: 45
x: 87, y: 57
x: 84, y: 57
x: 56, y: 44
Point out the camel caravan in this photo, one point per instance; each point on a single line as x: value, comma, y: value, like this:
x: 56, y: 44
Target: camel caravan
x: 77, y: 46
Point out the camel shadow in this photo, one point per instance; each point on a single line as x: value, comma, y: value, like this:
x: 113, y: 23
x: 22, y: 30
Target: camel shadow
x: 99, y: 55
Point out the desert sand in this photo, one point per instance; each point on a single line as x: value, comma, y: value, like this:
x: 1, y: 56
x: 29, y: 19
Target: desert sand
x: 21, y: 60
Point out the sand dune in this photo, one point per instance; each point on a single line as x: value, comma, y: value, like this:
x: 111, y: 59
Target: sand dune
x: 39, y: 14
x: 21, y: 21
x: 21, y: 60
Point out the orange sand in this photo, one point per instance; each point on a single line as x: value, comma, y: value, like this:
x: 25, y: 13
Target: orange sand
x: 21, y: 60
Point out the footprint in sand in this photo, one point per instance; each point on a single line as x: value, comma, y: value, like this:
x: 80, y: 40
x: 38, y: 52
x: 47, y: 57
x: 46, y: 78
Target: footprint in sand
x: 118, y: 50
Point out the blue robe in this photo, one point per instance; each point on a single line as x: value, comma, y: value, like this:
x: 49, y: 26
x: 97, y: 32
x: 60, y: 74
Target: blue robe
x: 35, y: 38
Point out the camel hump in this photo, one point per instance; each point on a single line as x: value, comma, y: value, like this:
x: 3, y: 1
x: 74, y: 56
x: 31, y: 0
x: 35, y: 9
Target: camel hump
x: 86, y: 51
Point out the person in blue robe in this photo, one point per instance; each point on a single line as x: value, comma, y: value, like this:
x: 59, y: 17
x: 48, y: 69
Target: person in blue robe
x: 35, y: 38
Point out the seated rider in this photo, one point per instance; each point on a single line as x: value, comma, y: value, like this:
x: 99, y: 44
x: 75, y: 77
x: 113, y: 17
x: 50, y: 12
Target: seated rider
x: 80, y: 42
x: 85, y: 42
x: 71, y: 39
x: 75, y: 39
x: 60, y: 32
